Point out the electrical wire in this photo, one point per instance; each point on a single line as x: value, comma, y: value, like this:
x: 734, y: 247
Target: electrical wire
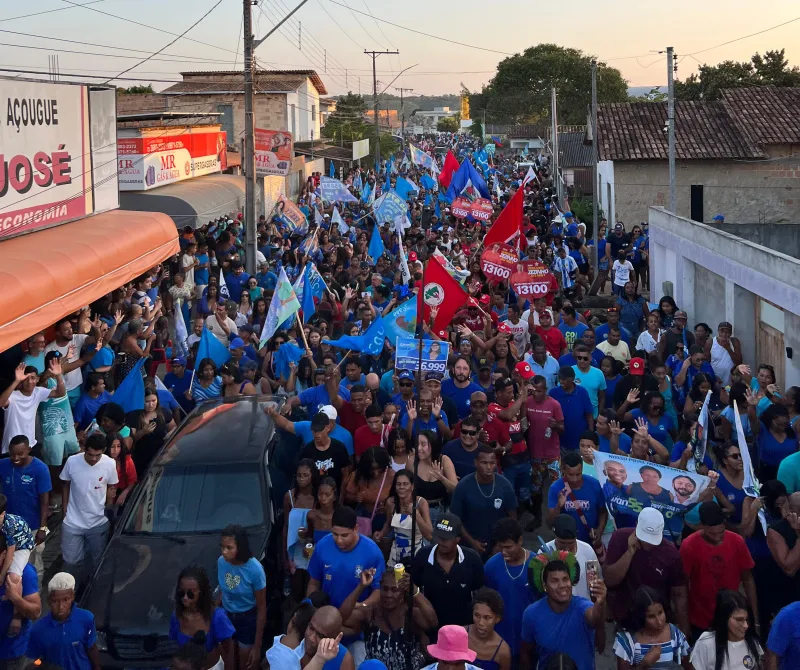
x: 48, y: 11
x: 388, y: 41
x: 744, y: 37
x: 352, y: 39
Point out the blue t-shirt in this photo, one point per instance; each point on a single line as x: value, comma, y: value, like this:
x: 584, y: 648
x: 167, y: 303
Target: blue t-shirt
x: 14, y: 647
x: 734, y: 495
x: 166, y: 399
x: 238, y: 584
x: 101, y: 359
x: 589, y: 498
x: 480, y: 506
x: 601, y: 333
x: 267, y: 280
x: 421, y: 424
x: 64, y: 644
x: 576, y: 406
x: 35, y: 361
x: 572, y: 333
x: 459, y: 396
x: 314, y: 398
x: 86, y: 408
x: 605, y: 444
x: 303, y: 430
x: 201, y: 274
x: 593, y: 381
x: 569, y: 359
x: 773, y: 452
x: 611, y: 386
x: 463, y: 460
x: 784, y: 637
x: 219, y: 630
x: 179, y: 386
x: 23, y: 486
x: 659, y: 431
x: 339, y: 572
x: 512, y: 585
x: 567, y: 631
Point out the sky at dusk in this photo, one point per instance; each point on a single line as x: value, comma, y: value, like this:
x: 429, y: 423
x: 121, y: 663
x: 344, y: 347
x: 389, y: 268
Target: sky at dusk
x: 624, y: 33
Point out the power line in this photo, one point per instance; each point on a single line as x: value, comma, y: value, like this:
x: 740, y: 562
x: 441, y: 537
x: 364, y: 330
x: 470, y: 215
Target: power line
x: 48, y: 11
x: 358, y: 21
x: 339, y: 26
x: 388, y: 41
x: 738, y: 39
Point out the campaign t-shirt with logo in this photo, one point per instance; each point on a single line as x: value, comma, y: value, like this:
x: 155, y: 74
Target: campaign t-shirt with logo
x: 238, y: 584
x: 480, y: 506
x: 339, y: 572
x: 588, y: 498
x: 514, y: 428
x: 330, y: 462
x: 572, y: 333
x: 23, y: 486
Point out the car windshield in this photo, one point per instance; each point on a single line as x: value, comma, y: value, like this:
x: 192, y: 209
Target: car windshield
x: 197, y: 499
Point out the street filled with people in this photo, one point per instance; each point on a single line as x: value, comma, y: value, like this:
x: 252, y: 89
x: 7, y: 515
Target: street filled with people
x: 494, y: 446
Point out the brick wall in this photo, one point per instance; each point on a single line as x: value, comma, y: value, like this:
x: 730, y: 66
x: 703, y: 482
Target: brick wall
x: 139, y: 104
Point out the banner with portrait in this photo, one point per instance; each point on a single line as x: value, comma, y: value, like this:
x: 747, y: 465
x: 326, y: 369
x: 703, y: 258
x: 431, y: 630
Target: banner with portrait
x: 630, y: 485
x: 434, y: 355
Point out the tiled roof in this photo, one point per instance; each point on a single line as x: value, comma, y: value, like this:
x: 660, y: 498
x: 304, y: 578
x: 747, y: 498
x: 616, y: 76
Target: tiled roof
x: 221, y: 81
x: 572, y: 152
x: 768, y: 114
x: 703, y: 131
x: 527, y: 131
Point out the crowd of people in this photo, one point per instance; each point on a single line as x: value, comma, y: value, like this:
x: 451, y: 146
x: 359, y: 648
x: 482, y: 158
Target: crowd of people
x: 665, y: 466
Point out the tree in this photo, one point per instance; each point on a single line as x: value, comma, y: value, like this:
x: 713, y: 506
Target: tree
x: 770, y: 69
x: 347, y: 123
x: 520, y: 91
x: 449, y: 124
x: 137, y: 90
x: 476, y: 130
x: 654, y: 95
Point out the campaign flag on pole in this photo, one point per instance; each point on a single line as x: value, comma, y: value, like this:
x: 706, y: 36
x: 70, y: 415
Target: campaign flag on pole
x: 750, y: 484
x: 284, y: 354
x: 422, y: 158
x: 427, y: 183
x: 459, y: 275
x: 530, y: 174
x: 702, y: 438
x: 371, y: 342
x: 439, y: 289
x: 332, y: 171
x: 405, y: 188
x: 318, y: 285
x: 388, y: 207
x: 401, y: 321
x: 365, y: 193
x: 308, y: 295
x: 290, y: 216
x: 448, y: 169
x: 181, y: 333
x: 434, y: 354
x: 509, y: 224
x: 130, y: 393
x: 358, y: 184
x: 318, y: 217
x: 482, y: 160
x: 224, y: 292
x: 339, y: 221
x: 437, y: 210
x: 376, y: 248
x: 428, y: 199
x: 211, y: 347
x: 333, y: 190
x: 284, y: 304
x: 467, y: 176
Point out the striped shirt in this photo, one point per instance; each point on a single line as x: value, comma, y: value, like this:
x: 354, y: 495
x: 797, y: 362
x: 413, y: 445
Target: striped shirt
x: 672, y: 651
x: 199, y: 393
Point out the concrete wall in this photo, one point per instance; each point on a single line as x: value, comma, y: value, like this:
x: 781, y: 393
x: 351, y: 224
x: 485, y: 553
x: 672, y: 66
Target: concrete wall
x: 744, y: 192
x: 778, y: 237
x: 718, y: 276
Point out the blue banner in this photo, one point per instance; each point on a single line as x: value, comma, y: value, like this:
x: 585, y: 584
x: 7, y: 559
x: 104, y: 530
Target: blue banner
x: 388, y: 207
x: 401, y: 321
x: 333, y: 190
x: 434, y: 355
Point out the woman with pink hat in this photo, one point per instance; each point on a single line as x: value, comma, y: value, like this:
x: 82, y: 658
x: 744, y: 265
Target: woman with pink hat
x: 452, y: 651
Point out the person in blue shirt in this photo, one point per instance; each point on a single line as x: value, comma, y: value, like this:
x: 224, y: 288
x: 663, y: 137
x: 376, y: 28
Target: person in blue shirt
x: 589, y: 377
x: 576, y: 406
x: 571, y: 328
x: 571, y: 226
x: 177, y: 382
x: 66, y: 637
x: 612, y: 316
x: 266, y: 279
x: 20, y: 605
x: 92, y: 399
x: 201, y: 271
x: 580, y: 496
x: 303, y: 428
x: 784, y: 639
x: 659, y: 424
x: 562, y: 622
x: 608, y: 429
x: 460, y: 388
x: 236, y: 280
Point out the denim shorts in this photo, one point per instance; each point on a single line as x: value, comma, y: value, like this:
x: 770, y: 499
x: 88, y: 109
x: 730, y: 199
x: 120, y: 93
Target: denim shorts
x: 245, y: 624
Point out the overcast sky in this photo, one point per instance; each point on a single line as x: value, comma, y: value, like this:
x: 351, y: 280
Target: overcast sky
x: 623, y: 33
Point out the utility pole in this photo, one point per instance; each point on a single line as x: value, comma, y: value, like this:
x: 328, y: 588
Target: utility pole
x: 554, y: 145
x: 595, y: 189
x: 402, y: 112
x: 299, y: 36
x: 375, y: 55
x: 671, y: 129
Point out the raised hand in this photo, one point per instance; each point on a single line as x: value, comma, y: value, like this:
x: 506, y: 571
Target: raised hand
x: 55, y: 366
x: 464, y: 331
x: 641, y: 428
x: 438, y: 470
x: 437, y: 407
x: 615, y: 428
x: 752, y: 398
x: 411, y: 408
x: 19, y: 373
x: 367, y: 576
x: 633, y: 396
x: 328, y: 648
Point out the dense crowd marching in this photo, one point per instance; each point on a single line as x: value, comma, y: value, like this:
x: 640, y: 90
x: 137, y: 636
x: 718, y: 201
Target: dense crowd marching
x: 665, y: 465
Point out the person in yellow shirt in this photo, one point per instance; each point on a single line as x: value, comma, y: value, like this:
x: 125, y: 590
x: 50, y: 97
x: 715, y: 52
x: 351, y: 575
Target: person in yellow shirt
x: 615, y: 346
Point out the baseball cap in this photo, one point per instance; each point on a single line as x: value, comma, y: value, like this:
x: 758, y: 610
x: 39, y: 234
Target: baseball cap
x: 484, y: 363
x: 650, y: 526
x: 329, y: 411
x: 365, y: 266
x: 619, y: 226
x: 237, y: 343
x: 680, y: 314
x: 485, y: 299
x: 725, y: 325
x: 180, y: 360
x: 503, y: 383
x: 566, y: 372
x: 406, y: 374
x: 719, y: 217
x: 434, y: 377
x: 565, y: 527
x: 412, y: 256
x: 568, y: 214
x: 248, y: 365
x: 447, y: 528
x: 319, y: 422
x: 442, y: 334
x: 711, y: 514
x: 503, y: 327
x: 637, y: 366
x: 525, y: 370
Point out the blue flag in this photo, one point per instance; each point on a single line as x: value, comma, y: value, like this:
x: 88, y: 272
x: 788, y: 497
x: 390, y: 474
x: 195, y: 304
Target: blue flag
x: 388, y: 207
x: 371, y: 342
x: 283, y: 355
x: 466, y: 175
x: 130, y: 393
x: 332, y: 171
x: 211, y: 347
x: 376, y: 248
x: 308, y: 294
x: 438, y: 210
x: 428, y: 199
x: 404, y: 188
x: 402, y: 321
x: 365, y: 193
x: 333, y: 190
x: 427, y: 182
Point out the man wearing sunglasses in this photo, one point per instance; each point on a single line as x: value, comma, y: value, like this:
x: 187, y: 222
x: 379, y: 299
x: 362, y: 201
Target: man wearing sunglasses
x: 589, y: 377
x: 463, y: 449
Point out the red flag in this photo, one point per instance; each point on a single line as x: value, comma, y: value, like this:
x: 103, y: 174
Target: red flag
x: 448, y: 169
x: 439, y: 289
x: 509, y: 223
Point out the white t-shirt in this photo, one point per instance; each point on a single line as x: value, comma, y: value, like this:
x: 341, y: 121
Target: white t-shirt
x: 622, y: 272
x: 527, y: 313
x: 187, y: 263
x: 74, y: 378
x: 585, y: 553
x: 620, y: 351
x: 704, y: 654
x: 520, y: 333
x: 21, y: 415
x: 214, y: 327
x: 647, y: 342
x: 87, y: 490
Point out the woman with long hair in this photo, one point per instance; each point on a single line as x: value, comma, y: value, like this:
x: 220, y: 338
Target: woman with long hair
x: 397, y: 444
x: 196, y: 619
x: 149, y: 428
x: 650, y: 337
x: 243, y: 590
x: 667, y: 307
x: 367, y: 488
x: 126, y: 470
x: 775, y: 441
x: 320, y: 518
x: 633, y: 308
x: 648, y: 639
x: 701, y: 385
x: 732, y: 642
x: 208, y: 303
x: 742, y: 508
x: 244, y: 311
x: 436, y: 474
x: 297, y: 503
x: 259, y: 314
x: 207, y: 384
x: 746, y: 401
x: 399, y: 507
x: 638, y: 251
x: 233, y: 382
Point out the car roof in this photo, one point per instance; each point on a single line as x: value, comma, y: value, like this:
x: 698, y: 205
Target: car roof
x: 222, y: 430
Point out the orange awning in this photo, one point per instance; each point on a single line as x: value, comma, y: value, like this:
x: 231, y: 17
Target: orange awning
x: 52, y: 273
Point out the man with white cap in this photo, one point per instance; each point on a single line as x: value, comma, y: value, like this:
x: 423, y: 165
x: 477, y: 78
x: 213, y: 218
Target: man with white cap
x: 303, y: 428
x: 642, y: 557
x: 66, y: 637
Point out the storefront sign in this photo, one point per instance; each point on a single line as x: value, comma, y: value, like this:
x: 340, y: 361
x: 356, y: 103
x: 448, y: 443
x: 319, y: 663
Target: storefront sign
x: 274, y: 152
x: 498, y: 262
x: 45, y: 155
x: 150, y: 160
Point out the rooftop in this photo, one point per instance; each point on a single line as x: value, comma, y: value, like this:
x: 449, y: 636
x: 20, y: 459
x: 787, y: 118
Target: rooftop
x: 769, y: 114
x: 232, y: 81
x: 527, y: 131
x: 573, y: 152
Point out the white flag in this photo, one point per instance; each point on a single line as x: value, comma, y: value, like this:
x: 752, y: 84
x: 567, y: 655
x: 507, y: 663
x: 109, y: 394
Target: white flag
x: 401, y: 223
x: 181, y: 334
x: 318, y: 217
x: 339, y: 221
x: 160, y: 385
x: 223, y: 287
x: 529, y: 175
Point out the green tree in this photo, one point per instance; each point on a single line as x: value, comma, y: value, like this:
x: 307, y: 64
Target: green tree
x: 347, y: 123
x: 476, y: 130
x: 654, y: 95
x: 520, y: 91
x: 137, y: 90
x: 449, y: 124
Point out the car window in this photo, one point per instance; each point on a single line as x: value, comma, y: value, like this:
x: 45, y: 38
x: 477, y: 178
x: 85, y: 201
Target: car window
x: 197, y: 499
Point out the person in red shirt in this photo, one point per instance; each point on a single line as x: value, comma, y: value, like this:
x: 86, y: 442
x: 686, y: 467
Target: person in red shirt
x: 126, y: 471
x: 552, y: 336
x: 545, y: 425
x: 351, y: 413
x: 493, y: 431
x: 715, y: 559
x: 369, y: 435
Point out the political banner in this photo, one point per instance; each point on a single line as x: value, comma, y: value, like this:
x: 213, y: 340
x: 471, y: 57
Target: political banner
x: 333, y: 190
x: 388, y: 207
x: 498, y: 262
x: 434, y: 355
x: 630, y: 485
x: 274, y: 152
x: 482, y: 209
x: 532, y: 279
x: 401, y: 321
x: 290, y: 215
x: 461, y: 207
